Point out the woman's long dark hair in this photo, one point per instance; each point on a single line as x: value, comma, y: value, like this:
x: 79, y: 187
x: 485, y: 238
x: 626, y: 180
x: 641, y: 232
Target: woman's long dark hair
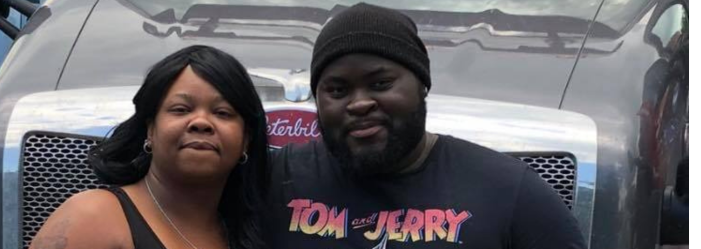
x: 120, y: 159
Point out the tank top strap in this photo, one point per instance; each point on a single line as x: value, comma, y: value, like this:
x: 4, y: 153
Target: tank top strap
x: 141, y: 232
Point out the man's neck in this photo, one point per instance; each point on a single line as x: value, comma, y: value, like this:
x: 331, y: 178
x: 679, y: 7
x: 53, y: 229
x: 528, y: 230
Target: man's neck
x: 418, y: 155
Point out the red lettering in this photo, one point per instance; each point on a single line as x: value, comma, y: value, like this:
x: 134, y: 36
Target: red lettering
x: 413, y: 224
x: 297, y: 206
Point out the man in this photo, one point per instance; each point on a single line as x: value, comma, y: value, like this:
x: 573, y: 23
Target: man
x: 378, y: 179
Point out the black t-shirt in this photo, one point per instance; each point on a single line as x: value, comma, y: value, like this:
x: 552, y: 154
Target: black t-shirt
x: 463, y: 196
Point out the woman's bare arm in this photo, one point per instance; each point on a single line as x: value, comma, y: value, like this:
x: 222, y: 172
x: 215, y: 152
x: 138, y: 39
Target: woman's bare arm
x: 91, y: 219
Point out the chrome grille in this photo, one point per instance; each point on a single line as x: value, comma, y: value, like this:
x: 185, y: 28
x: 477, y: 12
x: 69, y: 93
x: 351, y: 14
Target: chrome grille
x: 557, y: 169
x: 54, y: 168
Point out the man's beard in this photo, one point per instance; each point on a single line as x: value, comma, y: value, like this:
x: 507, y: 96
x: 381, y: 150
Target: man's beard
x: 402, y: 138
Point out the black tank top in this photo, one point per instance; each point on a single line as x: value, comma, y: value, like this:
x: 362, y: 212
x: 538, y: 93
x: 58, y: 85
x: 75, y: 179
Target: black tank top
x: 141, y: 233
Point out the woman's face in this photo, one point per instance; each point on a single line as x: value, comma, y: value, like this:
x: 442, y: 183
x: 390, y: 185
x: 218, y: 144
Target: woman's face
x: 196, y: 132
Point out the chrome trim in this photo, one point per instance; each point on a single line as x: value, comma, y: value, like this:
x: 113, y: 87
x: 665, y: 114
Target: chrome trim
x: 294, y: 82
x: 501, y: 126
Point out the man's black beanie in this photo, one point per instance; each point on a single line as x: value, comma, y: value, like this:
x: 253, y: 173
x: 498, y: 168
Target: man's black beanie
x: 365, y: 28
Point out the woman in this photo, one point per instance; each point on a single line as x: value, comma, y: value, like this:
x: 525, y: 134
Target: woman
x: 189, y: 163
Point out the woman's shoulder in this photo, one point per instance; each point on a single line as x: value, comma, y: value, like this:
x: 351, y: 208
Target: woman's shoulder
x: 87, y: 219
x: 93, y: 203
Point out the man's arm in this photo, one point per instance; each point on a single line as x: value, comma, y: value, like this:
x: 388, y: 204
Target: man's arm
x: 541, y: 220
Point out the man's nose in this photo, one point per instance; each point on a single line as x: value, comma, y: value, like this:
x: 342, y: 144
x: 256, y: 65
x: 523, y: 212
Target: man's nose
x: 361, y: 104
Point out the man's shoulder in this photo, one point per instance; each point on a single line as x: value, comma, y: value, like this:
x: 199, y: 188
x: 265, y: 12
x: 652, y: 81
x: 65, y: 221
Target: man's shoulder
x: 463, y: 149
x: 484, y: 164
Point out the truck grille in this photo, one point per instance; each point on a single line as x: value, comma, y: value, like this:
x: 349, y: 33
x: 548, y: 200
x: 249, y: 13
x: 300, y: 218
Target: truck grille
x: 55, y: 167
x: 557, y: 169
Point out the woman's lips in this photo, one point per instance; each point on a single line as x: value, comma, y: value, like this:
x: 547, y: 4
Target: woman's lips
x: 198, y: 145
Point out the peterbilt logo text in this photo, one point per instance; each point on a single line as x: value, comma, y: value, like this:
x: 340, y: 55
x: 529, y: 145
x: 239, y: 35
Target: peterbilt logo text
x: 291, y: 126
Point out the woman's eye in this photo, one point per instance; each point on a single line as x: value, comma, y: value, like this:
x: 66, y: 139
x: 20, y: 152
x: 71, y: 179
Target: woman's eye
x: 179, y: 109
x: 224, y: 113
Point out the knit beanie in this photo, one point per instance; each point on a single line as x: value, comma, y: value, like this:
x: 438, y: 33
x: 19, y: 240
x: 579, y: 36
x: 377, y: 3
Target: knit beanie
x: 370, y: 29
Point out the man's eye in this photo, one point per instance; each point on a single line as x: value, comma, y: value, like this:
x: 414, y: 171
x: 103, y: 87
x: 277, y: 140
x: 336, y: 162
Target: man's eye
x: 381, y: 84
x: 336, y: 91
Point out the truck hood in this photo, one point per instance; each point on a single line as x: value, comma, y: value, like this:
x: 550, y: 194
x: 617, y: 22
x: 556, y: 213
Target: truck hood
x: 488, y: 54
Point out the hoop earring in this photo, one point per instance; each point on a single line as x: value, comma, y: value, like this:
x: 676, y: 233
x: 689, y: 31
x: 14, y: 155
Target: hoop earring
x: 245, y: 158
x: 147, y: 146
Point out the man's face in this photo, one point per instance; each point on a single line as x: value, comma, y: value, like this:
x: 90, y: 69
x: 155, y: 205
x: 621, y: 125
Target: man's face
x: 372, y: 112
